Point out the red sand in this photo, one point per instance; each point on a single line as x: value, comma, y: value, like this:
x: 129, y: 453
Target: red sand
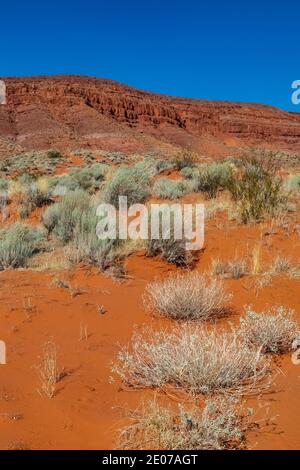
x: 86, y: 412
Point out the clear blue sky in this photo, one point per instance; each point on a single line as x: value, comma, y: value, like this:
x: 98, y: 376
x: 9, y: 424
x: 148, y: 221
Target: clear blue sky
x: 216, y: 49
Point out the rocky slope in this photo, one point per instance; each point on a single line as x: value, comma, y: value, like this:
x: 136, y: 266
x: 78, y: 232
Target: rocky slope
x: 74, y: 112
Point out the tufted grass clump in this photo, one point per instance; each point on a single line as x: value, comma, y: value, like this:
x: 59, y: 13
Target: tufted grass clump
x: 194, y: 359
x: 273, y: 331
x: 220, y: 424
x: 258, y: 193
x: 171, y: 250
x: 18, y: 242
x: 213, y: 178
x: 292, y: 184
x: 189, y: 296
x: 61, y: 218
x: 235, y: 269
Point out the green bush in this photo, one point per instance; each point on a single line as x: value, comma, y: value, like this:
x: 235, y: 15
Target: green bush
x: 165, y: 188
x: 87, y: 247
x: 257, y: 192
x: 62, y: 217
x: 213, y: 178
x: 88, y: 178
x: 190, y: 173
x: 18, y: 242
x: 3, y: 185
x: 132, y: 182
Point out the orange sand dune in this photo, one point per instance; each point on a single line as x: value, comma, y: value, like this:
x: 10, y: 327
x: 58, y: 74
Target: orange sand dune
x: 86, y: 412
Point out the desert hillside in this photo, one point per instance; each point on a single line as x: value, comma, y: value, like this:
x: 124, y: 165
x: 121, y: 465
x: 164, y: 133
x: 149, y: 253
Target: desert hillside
x: 70, y: 111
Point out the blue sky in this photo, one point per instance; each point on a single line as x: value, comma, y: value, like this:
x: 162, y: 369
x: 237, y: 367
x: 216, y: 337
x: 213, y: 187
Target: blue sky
x: 234, y: 50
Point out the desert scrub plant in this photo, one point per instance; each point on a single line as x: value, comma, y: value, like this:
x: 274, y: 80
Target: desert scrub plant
x: 292, y: 184
x: 131, y: 182
x: 257, y: 193
x: 220, y: 424
x: 281, y: 265
x: 273, y: 331
x: 165, y: 188
x: 18, y: 242
x: 171, y: 250
x: 213, y: 178
x: 62, y: 217
x: 36, y: 163
x: 88, y: 178
x: 189, y: 296
x: 184, y: 159
x: 235, y: 269
x: 37, y: 193
x: 194, y: 359
x: 87, y: 247
x: 3, y: 185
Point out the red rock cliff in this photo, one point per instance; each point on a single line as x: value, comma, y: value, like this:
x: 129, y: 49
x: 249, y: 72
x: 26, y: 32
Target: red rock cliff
x: 81, y: 112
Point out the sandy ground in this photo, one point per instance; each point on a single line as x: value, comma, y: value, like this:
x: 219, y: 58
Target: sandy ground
x: 86, y: 411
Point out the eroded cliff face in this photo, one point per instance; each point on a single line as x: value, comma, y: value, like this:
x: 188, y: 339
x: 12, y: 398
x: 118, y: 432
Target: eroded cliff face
x: 82, y: 112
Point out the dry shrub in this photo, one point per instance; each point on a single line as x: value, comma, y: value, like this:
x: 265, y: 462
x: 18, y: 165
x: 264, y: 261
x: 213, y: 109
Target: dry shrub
x: 189, y: 296
x: 171, y: 250
x: 48, y: 371
x: 235, y: 269
x: 194, y: 359
x: 273, y: 331
x: 18, y: 242
x: 281, y: 265
x: 220, y: 424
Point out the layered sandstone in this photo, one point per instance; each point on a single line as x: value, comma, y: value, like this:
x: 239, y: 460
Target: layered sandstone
x: 72, y: 111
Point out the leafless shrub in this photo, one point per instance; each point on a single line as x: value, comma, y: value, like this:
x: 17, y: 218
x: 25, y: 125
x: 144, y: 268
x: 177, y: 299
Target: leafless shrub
x: 273, y: 331
x: 171, y: 250
x: 189, y: 296
x: 192, y: 358
x: 219, y: 424
x: 47, y: 370
x: 281, y: 265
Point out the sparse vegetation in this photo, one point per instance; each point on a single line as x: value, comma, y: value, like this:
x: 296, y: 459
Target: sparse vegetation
x: 195, y: 359
x: 132, y: 182
x: 171, y: 250
x: 292, y: 184
x: 258, y: 193
x: 281, y: 265
x: 88, y: 178
x: 184, y: 159
x: 165, y: 188
x: 273, y: 331
x: 47, y: 370
x: 18, y: 242
x: 62, y: 217
x: 220, y: 424
x: 213, y: 178
x: 235, y: 269
x: 190, y: 296
x: 34, y: 162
